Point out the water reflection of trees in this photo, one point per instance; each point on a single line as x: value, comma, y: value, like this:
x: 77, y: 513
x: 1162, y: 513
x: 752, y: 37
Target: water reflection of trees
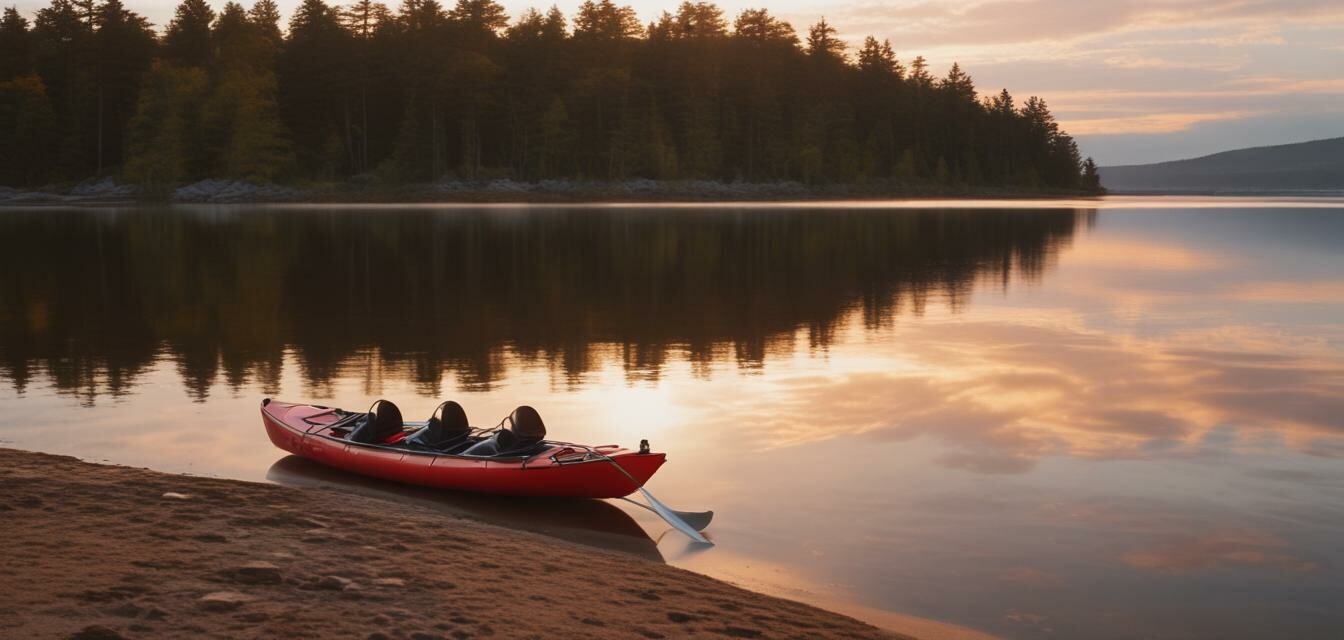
x: 93, y: 299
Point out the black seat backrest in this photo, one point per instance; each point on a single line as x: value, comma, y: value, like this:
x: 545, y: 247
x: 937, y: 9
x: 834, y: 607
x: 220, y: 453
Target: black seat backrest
x: 527, y: 425
x: 381, y: 422
x: 524, y: 431
x: 447, y: 424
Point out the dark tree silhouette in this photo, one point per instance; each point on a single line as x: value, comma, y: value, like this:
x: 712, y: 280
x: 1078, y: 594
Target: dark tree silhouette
x: 187, y: 40
x: 16, y: 45
x: 426, y: 92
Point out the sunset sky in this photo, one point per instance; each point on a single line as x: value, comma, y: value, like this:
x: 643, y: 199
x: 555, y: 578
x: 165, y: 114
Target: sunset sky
x: 1133, y: 80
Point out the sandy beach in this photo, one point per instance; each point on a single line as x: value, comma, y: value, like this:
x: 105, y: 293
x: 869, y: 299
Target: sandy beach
x: 99, y: 551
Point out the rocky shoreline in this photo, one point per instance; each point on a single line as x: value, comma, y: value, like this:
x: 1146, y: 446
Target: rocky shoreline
x: 108, y: 552
x: 223, y: 191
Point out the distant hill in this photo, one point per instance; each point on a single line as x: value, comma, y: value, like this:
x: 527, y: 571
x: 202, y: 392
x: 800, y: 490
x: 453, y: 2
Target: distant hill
x: 1316, y: 166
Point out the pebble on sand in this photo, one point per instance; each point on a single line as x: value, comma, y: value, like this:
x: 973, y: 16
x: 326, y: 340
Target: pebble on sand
x: 257, y: 572
x: 220, y: 601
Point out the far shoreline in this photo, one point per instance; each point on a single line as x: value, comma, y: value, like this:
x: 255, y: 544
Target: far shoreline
x: 108, y: 192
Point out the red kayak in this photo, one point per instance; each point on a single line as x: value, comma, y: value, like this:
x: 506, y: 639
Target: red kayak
x: 445, y: 452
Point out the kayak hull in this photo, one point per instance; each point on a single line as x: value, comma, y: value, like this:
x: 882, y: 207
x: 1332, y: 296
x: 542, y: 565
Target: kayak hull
x: 299, y: 429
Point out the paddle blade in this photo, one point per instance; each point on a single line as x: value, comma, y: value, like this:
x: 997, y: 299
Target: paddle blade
x: 698, y: 519
x: 673, y: 519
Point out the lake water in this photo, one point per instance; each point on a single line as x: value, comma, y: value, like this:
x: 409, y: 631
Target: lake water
x: 1117, y: 418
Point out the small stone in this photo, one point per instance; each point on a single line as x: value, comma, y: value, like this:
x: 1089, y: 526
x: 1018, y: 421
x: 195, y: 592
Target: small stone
x: 96, y: 632
x: 740, y: 632
x: 220, y: 601
x: 127, y: 610
x: 173, y: 495
x: 389, y: 582
x: 679, y: 617
x: 334, y: 583
x: 155, y: 613
x: 257, y: 572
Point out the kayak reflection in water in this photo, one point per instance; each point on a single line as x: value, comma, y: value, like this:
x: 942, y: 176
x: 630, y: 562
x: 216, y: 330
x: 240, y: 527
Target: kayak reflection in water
x: 594, y: 523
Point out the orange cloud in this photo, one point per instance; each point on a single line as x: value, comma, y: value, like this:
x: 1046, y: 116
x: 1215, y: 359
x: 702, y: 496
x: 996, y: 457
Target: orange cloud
x: 1028, y: 21
x: 1149, y: 123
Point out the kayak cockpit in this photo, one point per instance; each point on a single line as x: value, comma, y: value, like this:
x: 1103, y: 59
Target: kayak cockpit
x: 447, y: 432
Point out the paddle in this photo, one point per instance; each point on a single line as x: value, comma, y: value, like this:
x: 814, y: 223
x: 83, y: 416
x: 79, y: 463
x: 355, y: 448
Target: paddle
x: 672, y: 517
x: 697, y: 519
x: 669, y: 515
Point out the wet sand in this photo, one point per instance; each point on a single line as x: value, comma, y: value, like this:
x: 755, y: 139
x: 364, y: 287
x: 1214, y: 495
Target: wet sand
x: 98, y: 551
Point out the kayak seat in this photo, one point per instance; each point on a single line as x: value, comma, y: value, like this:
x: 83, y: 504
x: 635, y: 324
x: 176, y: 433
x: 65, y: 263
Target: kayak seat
x: 504, y: 444
x: 381, y: 422
x: 526, y: 423
x: 447, y: 427
x: 523, y: 435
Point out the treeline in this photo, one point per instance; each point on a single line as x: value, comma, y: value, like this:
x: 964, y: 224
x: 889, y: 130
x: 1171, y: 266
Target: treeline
x: 424, y: 92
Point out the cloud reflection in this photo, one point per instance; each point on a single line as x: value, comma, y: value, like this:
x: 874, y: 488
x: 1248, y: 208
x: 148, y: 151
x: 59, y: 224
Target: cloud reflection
x: 1002, y: 395
x: 1220, y: 550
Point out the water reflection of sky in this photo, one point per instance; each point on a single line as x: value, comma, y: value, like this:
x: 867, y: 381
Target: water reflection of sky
x: 1143, y: 439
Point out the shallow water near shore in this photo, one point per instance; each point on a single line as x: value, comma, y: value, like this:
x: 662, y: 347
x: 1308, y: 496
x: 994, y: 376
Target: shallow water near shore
x: 1102, y: 418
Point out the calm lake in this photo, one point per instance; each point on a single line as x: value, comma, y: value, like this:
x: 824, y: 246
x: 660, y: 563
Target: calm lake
x: 1117, y: 418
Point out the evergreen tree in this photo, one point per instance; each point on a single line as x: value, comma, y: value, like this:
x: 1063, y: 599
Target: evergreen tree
x: 16, y: 46
x: 240, y: 120
x: 759, y: 25
x: 1091, y: 177
x: 478, y: 23
x: 63, y: 52
x: 605, y: 20
x: 125, y: 46
x: 187, y: 40
x: 822, y: 43
x: 535, y: 78
x: 364, y: 20
x: 879, y: 59
x: 316, y: 91
x: 265, y: 16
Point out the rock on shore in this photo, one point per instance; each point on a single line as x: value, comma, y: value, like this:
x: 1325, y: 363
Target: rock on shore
x: 224, y: 191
